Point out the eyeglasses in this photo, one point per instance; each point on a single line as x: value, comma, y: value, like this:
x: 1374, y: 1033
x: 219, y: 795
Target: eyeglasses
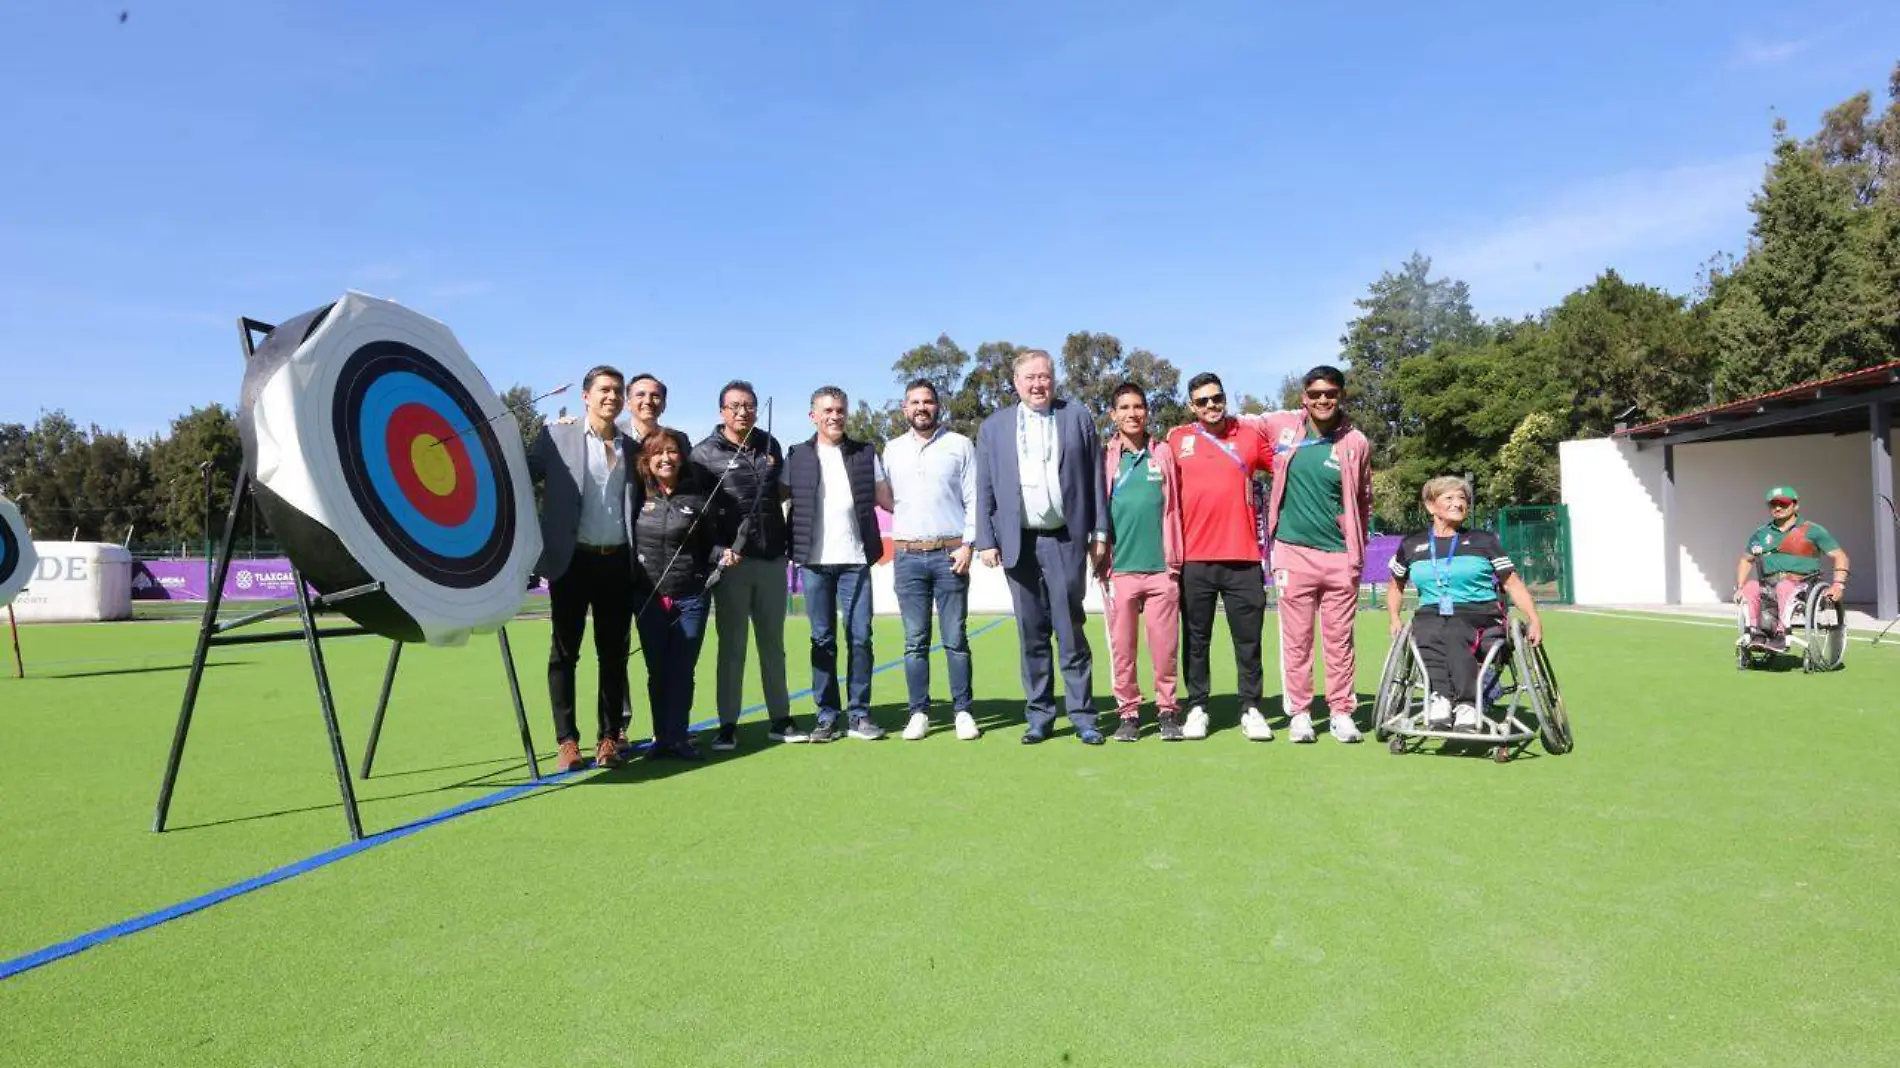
x: 1780, y: 504
x: 1208, y: 401
x: 1322, y: 394
x: 740, y: 408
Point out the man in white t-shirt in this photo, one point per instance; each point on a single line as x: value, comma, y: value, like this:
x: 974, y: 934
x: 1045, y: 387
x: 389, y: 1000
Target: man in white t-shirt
x: 836, y: 484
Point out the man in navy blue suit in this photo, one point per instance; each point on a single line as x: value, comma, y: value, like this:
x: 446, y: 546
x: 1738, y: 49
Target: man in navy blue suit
x: 1042, y: 513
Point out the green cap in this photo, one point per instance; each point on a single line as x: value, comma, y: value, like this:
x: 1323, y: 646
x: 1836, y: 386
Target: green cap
x: 1782, y: 493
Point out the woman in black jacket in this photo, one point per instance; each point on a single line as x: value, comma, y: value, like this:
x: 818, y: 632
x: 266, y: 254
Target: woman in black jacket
x: 676, y: 556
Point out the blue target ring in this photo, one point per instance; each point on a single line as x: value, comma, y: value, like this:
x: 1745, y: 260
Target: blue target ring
x: 10, y: 556
x: 379, y: 404
x: 377, y: 382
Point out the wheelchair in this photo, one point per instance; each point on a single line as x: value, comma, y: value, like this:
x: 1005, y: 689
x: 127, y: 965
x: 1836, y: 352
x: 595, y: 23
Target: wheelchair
x: 1518, y: 699
x: 1816, y: 631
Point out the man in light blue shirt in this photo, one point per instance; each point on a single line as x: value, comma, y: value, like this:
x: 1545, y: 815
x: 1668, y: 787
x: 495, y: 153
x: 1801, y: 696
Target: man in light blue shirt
x: 932, y: 471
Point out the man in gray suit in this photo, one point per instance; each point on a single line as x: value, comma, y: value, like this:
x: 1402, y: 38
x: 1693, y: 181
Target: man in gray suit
x: 590, y: 499
x: 1042, y: 513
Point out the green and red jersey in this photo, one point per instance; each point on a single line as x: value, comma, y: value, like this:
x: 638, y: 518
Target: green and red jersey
x: 1797, y: 550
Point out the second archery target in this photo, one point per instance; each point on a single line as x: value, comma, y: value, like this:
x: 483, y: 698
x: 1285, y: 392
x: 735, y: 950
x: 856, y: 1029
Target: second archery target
x: 381, y: 454
x: 17, y: 558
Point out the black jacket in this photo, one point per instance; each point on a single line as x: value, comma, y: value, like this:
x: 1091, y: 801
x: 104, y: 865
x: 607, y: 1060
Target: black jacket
x: 804, y: 475
x: 750, y: 491
x: 676, y: 539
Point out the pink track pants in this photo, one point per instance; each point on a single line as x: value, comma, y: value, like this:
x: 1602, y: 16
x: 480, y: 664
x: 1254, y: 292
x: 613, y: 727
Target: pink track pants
x: 1785, y: 586
x: 1314, y: 583
x: 1154, y: 600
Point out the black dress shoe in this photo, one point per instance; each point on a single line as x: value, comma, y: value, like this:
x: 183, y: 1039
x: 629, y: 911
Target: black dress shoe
x: 676, y: 751
x: 1034, y: 737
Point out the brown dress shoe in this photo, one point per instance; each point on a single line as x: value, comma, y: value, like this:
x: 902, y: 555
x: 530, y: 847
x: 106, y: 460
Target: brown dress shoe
x: 569, y: 758
x: 606, y: 754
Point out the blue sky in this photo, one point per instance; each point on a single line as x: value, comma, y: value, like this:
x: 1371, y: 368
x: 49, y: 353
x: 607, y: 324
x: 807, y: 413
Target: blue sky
x: 796, y: 193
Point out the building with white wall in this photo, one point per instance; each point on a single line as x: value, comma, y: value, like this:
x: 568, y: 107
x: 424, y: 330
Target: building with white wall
x: 1660, y: 513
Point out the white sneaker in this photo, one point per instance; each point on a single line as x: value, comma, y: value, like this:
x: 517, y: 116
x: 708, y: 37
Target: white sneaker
x: 966, y: 727
x: 1301, y: 729
x: 1254, y: 726
x: 1194, y: 728
x: 1344, y: 730
x: 1437, y: 713
x: 1465, y: 718
x: 918, y: 726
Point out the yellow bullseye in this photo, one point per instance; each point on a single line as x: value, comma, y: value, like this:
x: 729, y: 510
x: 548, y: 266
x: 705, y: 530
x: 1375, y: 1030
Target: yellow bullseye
x: 434, y: 469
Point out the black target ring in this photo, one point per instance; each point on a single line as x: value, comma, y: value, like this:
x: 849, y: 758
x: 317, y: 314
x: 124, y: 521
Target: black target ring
x: 387, y: 385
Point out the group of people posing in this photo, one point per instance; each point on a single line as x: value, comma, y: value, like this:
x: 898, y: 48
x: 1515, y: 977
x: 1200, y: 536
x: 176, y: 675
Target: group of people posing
x: 648, y: 530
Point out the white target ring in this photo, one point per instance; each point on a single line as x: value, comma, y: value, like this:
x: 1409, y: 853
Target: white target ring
x: 379, y: 429
x: 17, y: 558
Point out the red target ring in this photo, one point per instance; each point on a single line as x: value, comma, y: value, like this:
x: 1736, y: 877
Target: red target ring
x: 431, y: 464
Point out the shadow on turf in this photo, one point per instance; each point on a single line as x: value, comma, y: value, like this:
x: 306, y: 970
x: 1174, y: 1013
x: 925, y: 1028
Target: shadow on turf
x: 479, y: 782
x: 155, y: 669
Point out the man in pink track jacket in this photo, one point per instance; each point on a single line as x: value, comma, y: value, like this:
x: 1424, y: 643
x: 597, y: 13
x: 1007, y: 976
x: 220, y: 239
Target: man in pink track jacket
x: 1142, y: 572
x: 1317, y: 517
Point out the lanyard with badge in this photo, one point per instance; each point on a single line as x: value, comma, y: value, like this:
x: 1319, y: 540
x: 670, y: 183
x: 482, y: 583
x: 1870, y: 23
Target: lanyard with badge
x: 1441, y: 573
x: 1139, y: 459
x: 1226, y: 449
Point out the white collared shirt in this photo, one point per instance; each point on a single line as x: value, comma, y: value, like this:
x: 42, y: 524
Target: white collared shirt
x: 604, y: 492
x: 1038, y: 460
x: 933, y: 483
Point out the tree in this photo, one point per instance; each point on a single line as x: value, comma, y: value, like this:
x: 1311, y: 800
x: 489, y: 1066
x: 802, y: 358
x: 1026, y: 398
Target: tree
x: 1526, y: 471
x: 1615, y: 344
x: 1094, y: 364
x: 1818, y: 292
x: 1403, y: 315
x: 208, y: 434
x: 875, y: 424
x: 519, y: 400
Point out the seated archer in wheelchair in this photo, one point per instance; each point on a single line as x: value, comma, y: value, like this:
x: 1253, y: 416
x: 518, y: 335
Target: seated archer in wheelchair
x: 1783, y: 558
x: 1460, y: 617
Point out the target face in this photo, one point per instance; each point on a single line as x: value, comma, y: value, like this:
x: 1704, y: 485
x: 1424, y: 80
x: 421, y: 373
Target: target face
x: 420, y: 461
x: 17, y: 558
x: 382, y: 454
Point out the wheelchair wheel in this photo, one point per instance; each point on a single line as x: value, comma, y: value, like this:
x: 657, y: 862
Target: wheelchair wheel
x: 1395, y: 684
x: 1553, y: 723
x: 1826, y: 626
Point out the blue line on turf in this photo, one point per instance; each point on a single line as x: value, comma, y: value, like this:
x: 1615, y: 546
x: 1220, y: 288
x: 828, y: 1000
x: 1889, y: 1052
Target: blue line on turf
x: 91, y: 939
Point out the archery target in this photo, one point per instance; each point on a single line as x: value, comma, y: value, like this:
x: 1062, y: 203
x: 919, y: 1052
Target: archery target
x: 382, y: 454
x: 17, y: 558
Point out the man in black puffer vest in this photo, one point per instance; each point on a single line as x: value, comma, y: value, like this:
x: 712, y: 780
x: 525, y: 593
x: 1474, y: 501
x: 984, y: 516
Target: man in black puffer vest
x: 836, y: 485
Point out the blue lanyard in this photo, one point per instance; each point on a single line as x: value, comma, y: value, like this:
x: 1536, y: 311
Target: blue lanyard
x: 1201, y: 428
x: 1442, y: 572
x: 1123, y: 478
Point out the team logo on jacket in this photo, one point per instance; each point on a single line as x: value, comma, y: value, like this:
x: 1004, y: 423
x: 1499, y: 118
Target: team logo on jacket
x: 1187, y: 446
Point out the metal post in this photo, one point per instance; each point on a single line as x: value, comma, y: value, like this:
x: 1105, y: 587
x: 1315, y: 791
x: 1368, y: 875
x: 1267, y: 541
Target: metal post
x: 382, y: 705
x: 215, y: 568
x: 521, y: 711
x: 328, y: 703
x: 1880, y: 451
x: 1672, y: 533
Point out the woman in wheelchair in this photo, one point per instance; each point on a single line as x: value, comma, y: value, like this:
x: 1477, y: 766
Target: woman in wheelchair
x: 1784, y: 555
x: 1458, y: 574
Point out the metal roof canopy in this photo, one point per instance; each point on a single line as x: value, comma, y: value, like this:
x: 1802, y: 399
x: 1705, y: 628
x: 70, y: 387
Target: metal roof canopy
x: 1828, y: 406
x: 1857, y: 402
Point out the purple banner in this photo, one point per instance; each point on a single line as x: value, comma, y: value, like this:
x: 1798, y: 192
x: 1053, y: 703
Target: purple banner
x: 184, y: 580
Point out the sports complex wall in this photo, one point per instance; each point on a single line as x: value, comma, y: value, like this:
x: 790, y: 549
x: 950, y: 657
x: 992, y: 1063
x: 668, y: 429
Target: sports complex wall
x: 1614, y: 495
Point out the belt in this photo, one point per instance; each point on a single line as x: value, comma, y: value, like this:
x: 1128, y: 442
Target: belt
x: 599, y: 550
x: 928, y: 544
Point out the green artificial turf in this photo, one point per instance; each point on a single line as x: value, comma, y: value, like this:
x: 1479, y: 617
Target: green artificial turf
x: 1707, y: 880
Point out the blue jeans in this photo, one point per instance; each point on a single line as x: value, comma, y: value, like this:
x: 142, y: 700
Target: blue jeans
x: 921, y: 579
x: 832, y: 590
x: 670, y: 637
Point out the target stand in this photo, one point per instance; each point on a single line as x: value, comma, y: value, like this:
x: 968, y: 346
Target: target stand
x: 215, y: 634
